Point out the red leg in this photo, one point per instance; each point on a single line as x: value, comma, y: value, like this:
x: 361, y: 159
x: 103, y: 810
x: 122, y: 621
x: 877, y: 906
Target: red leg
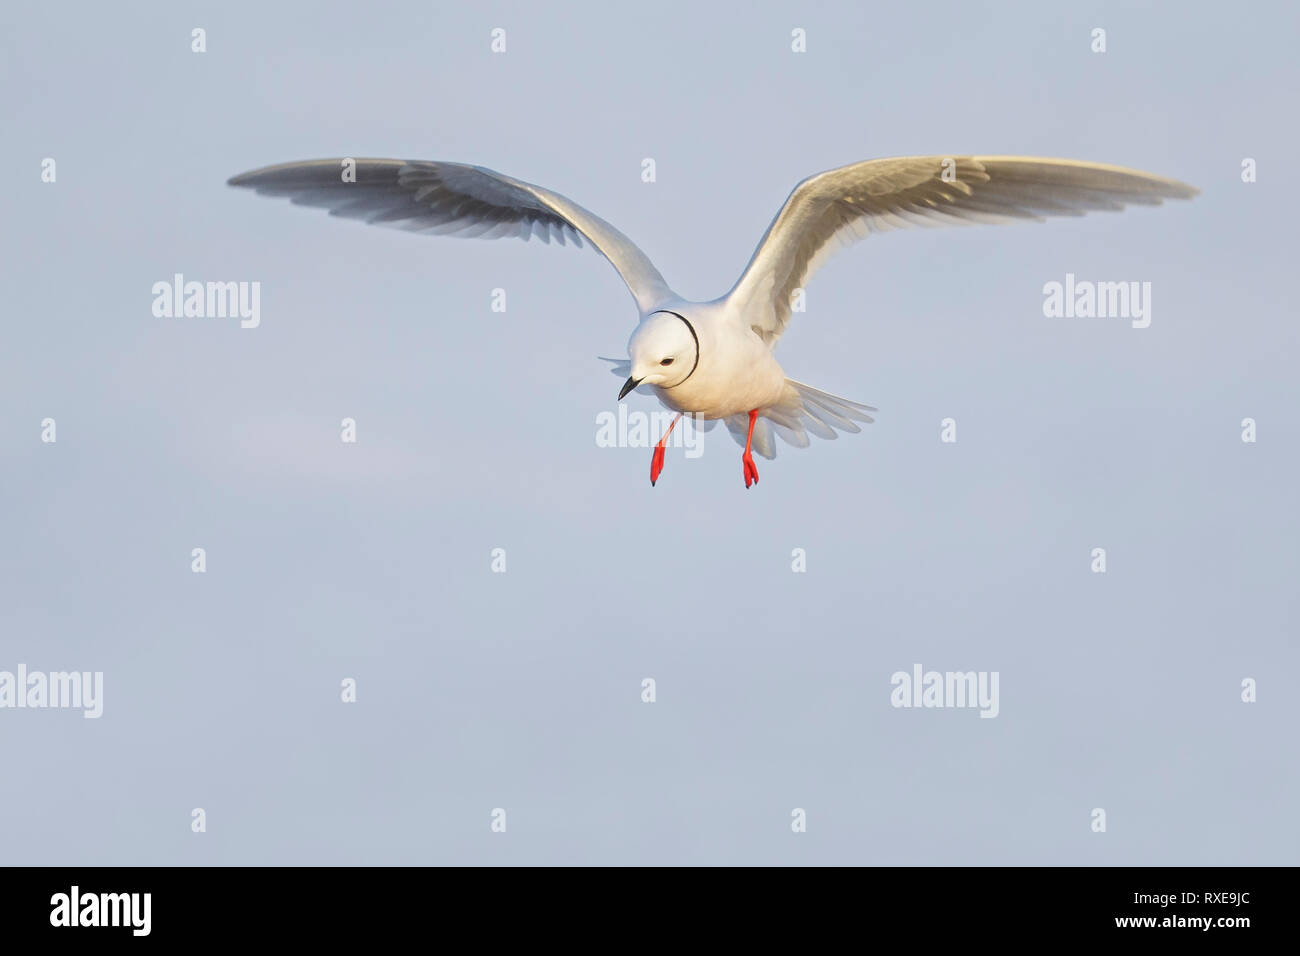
x: 751, y: 473
x: 657, y: 461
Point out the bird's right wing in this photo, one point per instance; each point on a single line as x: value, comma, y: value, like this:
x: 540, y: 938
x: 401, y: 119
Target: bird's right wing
x: 456, y: 200
x: 838, y: 207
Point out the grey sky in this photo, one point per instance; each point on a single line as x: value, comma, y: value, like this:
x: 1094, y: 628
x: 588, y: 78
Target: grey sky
x: 476, y: 431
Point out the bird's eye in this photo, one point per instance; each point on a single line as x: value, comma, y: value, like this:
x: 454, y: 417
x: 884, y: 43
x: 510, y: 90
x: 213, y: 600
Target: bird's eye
x: 666, y: 362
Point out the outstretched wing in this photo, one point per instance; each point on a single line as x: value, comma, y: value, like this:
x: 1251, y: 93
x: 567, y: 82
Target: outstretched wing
x: 456, y: 200
x: 836, y: 208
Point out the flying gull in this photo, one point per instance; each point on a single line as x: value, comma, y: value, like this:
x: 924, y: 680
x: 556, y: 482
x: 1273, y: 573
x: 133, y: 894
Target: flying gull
x: 715, y: 359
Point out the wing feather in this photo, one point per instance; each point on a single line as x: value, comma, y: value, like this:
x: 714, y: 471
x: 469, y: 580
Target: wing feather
x: 837, y: 208
x: 457, y: 200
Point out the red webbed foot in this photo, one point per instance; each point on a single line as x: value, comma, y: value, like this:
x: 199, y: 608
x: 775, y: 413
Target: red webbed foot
x: 747, y: 459
x: 657, y: 459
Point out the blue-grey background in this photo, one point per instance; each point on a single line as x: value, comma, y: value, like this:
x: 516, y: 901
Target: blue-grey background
x: 477, y: 431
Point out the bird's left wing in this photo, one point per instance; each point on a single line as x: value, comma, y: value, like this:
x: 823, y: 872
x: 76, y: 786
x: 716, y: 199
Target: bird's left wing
x: 838, y: 207
x: 456, y: 200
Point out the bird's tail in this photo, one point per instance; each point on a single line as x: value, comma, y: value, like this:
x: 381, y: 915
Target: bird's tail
x: 805, y: 411
x: 619, y: 367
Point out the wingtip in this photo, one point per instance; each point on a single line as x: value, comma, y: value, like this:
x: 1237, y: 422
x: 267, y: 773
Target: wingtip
x: 277, y: 172
x: 1177, y: 189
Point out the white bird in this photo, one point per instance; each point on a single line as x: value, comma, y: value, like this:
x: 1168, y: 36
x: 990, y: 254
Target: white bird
x: 714, y: 359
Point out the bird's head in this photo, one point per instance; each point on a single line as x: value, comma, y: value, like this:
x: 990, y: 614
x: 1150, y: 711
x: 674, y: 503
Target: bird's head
x: 663, y: 350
